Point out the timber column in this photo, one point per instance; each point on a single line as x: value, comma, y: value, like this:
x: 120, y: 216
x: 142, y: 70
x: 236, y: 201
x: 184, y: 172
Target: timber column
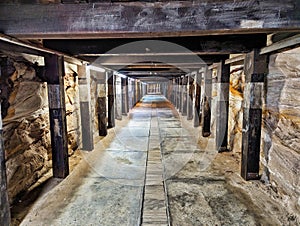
x: 57, y: 110
x: 118, y: 96
x: 124, y: 83
x: 255, y: 68
x: 4, y: 207
x: 184, y: 96
x: 206, y: 116
x: 85, y: 108
x: 101, y: 104
x: 223, y: 77
x: 197, y: 106
x: 191, y: 89
x: 111, y: 100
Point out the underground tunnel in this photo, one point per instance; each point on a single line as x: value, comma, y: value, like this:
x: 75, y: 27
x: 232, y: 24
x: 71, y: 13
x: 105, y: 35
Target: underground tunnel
x: 149, y: 112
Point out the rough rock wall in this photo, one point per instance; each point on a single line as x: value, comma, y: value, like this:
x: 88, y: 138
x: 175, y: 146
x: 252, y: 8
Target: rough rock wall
x: 235, y: 114
x: 72, y: 107
x: 281, y: 122
x: 25, y: 126
x: 26, y: 123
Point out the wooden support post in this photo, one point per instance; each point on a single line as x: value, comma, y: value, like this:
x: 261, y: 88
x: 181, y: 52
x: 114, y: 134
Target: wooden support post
x: 206, y: 116
x: 174, y: 91
x: 85, y: 108
x: 197, y: 106
x: 180, y: 95
x: 101, y: 104
x: 124, y: 83
x: 255, y: 68
x: 4, y: 203
x: 111, y: 100
x: 190, y: 98
x: 118, y: 96
x: 184, y: 96
x: 138, y: 91
x: 223, y: 78
x: 133, y: 93
x: 57, y: 111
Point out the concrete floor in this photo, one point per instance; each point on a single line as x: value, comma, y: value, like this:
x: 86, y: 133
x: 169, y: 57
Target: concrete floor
x: 150, y: 170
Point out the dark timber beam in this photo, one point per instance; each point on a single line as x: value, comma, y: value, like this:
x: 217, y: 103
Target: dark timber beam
x: 4, y: 207
x: 223, y: 78
x: 156, y: 19
x: 203, y: 45
x: 57, y: 111
x: 85, y: 108
x: 197, y: 105
x: 111, y: 100
x: 255, y: 69
x: 207, y: 102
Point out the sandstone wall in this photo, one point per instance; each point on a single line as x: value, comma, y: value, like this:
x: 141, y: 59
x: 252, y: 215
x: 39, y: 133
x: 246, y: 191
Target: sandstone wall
x: 26, y: 123
x: 281, y: 122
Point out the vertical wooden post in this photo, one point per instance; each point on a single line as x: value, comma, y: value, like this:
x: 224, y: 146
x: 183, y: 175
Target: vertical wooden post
x: 133, y: 93
x: 174, y: 91
x: 138, y: 91
x: 124, y: 84
x: 118, y: 96
x: 85, y: 108
x: 57, y: 111
x: 206, y: 115
x: 222, y: 106
x: 255, y: 68
x: 4, y: 203
x: 101, y: 104
x: 184, y: 96
x: 197, y: 106
x: 190, y: 98
x: 180, y: 95
x: 111, y: 100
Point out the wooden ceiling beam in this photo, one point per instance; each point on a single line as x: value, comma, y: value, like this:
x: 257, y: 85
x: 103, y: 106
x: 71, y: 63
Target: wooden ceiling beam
x: 204, y: 45
x: 148, y: 19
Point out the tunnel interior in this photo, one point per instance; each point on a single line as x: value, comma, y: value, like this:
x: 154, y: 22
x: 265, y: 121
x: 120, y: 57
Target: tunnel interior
x: 167, y: 113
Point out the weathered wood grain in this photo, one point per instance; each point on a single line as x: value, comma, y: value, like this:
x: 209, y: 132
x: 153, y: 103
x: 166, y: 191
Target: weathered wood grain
x: 255, y: 69
x: 138, y: 19
x: 57, y: 111
x: 222, y: 106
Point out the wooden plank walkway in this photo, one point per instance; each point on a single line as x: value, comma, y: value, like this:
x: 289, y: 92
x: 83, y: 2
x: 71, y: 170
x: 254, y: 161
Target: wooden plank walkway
x: 154, y: 205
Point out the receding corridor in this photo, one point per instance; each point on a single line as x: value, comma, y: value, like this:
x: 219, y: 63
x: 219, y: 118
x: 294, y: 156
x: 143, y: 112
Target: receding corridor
x: 150, y: 170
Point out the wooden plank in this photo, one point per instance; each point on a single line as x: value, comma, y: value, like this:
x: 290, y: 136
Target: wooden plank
x: 85, y: 108
x: 282, y: 45
x: 138, y: 19
x: 206, y: 116
x: 12, y: 44
x: 255, y: 71
x: 4, y: 207
x: 236, y: 60
x: 197, y: 105
x: 111, y: 100
x: 222, y: 110
x: 57, y: 111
